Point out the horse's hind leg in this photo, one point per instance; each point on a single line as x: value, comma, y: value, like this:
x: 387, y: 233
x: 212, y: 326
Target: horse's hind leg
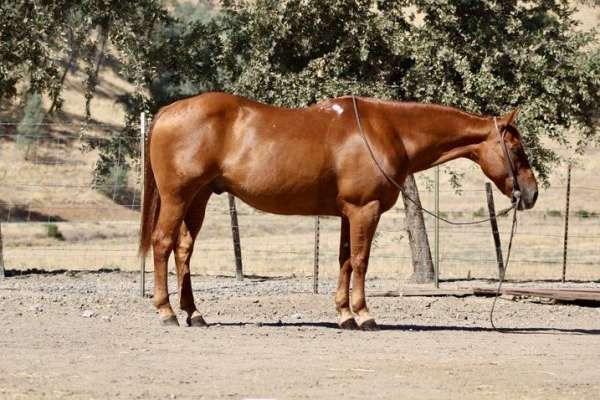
x: 172, y: 210
x: 183, y: 253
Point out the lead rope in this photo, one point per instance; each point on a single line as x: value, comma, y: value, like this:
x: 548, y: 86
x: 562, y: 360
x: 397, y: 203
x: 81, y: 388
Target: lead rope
x: 513, y: 230
x: 514, y: 206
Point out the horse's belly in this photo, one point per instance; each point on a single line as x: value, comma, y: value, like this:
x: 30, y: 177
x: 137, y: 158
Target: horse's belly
x: 290, y: 204
x: 290, y: 194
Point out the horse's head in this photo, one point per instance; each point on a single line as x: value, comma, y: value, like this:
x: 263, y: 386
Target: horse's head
x: 502, y: 156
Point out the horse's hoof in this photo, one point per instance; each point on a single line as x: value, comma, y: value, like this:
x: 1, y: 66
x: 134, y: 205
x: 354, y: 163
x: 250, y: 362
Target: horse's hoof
x: 348, y: 324
x: 196, y: 320
x: 171, y: 320
x: 369, y: 325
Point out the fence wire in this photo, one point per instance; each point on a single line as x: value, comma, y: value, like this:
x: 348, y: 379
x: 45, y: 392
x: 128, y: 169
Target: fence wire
x: 57, y: 214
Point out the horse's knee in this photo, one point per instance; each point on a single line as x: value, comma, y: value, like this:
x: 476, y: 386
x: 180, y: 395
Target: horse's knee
x: 359, y: 264
x: 162, y: 245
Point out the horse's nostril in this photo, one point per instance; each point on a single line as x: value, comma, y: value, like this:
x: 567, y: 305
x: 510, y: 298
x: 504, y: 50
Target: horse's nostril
x: 534, y: 198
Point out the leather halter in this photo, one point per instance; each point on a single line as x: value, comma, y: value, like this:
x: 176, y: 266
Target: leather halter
x: 516, y: 192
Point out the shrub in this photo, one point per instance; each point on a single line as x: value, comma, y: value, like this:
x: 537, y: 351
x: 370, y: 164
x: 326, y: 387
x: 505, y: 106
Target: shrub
x: 480, y: 213
x: 554, y: 213
x: 586, y: 214
x: 52, y: 231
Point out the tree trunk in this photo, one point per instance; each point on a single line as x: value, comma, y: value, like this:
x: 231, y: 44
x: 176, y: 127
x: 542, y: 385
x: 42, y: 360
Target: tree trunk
x: 417, y: 234
x: 69, y: 65
x: 99, y: 57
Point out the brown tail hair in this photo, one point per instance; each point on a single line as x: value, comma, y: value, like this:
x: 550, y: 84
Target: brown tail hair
x: 151, y: 206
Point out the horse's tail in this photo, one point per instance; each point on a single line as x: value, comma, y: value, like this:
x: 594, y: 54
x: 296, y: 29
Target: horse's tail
x: 151, y: 206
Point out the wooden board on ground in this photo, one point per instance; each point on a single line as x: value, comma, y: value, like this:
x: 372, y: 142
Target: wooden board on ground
x: 560, y: 294
x: 427, y: 292
x: 575, y: 295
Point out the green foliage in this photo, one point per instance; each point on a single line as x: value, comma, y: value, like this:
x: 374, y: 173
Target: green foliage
x: 304, y: 51
x: 479, y: 213
x: 36, y: 37
x: 554, y: 213
x: 586, y: 214
x: 29, y: 128
x: 488, y: 57
x: 28, y: 38
x: 52, y: 231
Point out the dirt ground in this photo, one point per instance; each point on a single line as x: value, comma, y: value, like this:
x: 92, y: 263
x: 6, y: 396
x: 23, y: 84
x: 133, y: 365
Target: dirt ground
x: 88, y: 335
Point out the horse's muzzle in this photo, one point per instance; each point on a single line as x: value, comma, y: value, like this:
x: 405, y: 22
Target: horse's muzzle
x: 528, y: 199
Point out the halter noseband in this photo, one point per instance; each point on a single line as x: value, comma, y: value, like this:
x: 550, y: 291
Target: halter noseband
x: 516, y: 192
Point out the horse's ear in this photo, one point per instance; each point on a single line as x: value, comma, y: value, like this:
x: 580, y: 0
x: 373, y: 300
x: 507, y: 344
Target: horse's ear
x: 510, y: 117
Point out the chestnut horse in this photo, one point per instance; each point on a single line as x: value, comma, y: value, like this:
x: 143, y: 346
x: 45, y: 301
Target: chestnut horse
x: 307, y: 161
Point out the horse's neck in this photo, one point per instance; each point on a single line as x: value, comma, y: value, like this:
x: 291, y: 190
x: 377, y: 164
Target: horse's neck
x: 433, y: 135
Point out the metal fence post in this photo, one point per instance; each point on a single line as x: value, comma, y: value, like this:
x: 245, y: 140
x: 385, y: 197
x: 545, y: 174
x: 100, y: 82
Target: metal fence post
x: 142, y: 184
x: 495, y: 233
x: 564, y: 269
x: 2, y: 271
x: 316, y: 257
x: 436, y: 265
x: 235, y: 232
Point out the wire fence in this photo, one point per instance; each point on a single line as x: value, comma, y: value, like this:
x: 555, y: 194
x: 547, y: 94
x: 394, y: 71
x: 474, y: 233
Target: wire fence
x: 57, y: 214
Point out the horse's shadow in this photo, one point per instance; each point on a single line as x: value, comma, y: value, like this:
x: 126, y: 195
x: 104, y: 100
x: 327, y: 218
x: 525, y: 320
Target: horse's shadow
x: 425, y: 328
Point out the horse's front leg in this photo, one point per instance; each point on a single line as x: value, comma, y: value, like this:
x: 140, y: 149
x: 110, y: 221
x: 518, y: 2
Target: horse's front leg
x: 342, y: 296
x: 363, y: 222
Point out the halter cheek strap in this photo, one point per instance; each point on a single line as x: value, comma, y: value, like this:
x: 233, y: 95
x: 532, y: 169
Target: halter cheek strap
x: 516, y: 193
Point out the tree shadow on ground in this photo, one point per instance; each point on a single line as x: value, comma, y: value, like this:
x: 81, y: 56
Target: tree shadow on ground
x: 20, y: 213
x: 71, y: 272
x: 123, y: 196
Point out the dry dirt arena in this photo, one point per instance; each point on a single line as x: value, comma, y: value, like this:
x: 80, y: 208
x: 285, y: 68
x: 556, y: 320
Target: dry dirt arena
x: 88, y: 335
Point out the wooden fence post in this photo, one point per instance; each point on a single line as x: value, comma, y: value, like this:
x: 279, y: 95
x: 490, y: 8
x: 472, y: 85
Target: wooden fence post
x: 495, y: 234
x: 2, y: 271
x: 142, y: 184
x: 566, y: 239
x: 316, y: 257
x: 235, y: 232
